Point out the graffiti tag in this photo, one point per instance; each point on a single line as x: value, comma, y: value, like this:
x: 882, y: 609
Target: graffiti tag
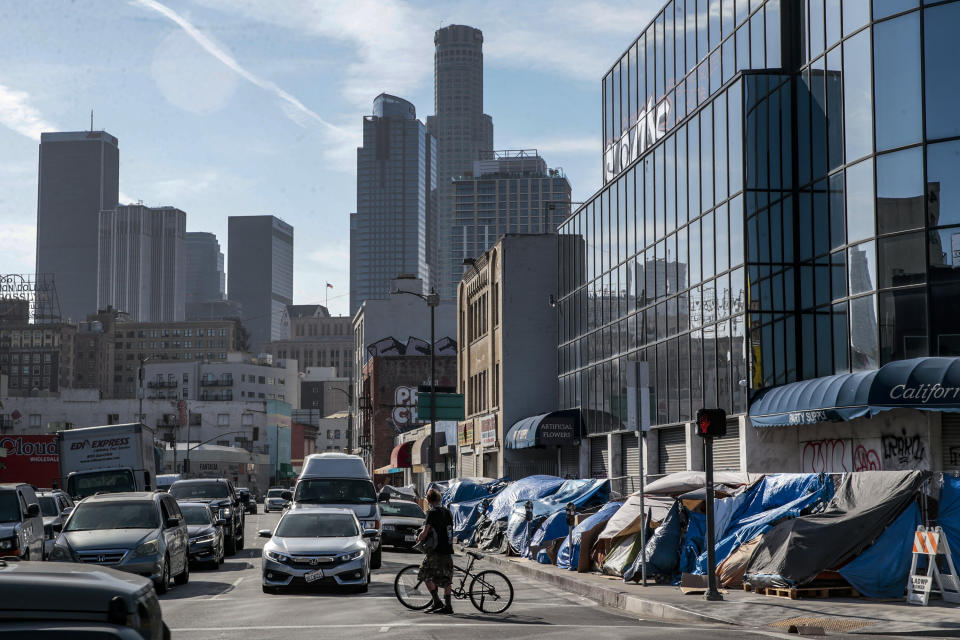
x: 903, y: 448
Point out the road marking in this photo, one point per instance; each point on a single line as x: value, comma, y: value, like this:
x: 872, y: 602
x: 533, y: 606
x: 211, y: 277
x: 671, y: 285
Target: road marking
x: 451, y: 622
x: 232, y: 587
x: 384, y: 629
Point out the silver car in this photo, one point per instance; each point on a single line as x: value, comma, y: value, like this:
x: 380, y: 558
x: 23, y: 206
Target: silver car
x: 317, y: 546
x: 142, y: 533
x: 55, y: 506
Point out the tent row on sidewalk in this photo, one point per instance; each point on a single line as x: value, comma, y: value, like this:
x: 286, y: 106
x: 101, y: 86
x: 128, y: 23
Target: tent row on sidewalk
x: 771, y: 530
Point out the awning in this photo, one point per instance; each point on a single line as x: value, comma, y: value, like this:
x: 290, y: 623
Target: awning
x: 927, y: 384
x: 400, y: 456
x: 420, y: 455
x: 385, y: 470
x: 556, y: 428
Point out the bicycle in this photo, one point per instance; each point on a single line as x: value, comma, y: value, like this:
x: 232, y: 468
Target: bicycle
x: 489, y: 591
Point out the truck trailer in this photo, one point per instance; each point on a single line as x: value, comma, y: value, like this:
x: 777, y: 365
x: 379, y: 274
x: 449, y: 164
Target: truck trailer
x: 107, y: 459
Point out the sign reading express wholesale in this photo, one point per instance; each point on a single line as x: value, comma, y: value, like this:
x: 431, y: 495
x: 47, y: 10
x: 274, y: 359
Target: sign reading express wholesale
x: 488, y: 432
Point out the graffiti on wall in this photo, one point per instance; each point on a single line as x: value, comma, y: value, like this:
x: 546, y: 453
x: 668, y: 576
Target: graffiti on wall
x: 887, y: 452
x: 404, y: 414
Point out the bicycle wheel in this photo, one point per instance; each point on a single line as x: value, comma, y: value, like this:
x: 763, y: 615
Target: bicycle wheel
x: 410, y: 590
x: 491, y: 592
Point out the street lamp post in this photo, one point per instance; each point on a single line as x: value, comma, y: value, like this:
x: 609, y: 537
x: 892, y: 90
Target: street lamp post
x: 433, y: 301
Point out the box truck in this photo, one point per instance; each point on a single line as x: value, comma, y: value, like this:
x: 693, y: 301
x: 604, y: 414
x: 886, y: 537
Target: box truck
x: 107, y: 459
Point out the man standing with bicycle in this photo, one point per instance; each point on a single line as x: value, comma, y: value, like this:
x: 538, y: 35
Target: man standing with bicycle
x: 436, y: 570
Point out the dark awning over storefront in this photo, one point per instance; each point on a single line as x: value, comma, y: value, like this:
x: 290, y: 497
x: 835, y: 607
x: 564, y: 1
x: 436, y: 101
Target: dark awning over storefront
x: 928, y: 384
x: 400, y: 456
x: 556, y: 428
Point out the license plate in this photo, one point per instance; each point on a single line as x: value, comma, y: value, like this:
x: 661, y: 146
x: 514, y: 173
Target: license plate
x: 314, y: 575
x: 409, y: 538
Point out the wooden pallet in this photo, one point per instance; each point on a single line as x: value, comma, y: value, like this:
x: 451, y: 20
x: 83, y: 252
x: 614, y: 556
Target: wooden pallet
x: 796, y: 593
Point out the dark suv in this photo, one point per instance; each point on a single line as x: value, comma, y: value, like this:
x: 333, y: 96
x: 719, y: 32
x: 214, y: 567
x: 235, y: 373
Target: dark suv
x: 224, y: 502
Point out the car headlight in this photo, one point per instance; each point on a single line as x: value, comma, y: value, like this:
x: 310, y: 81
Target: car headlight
x: 207, y: 538
x: 61, y: 554
x: 224, y: 513
x: 370, y: 524
x: 279, y: 557
x: 147, y: 549
x: 353, y: 555
x: 9, y: 543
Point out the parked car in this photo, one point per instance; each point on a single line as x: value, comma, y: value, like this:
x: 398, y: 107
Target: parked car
x: 224, y: 502
x: 317, y: 546
x: 137, y: 532
x: 206, y: 533
x: 340, y: 480
x: 249, y: 504
x: 71, y: 600
x: 401, y: 520
x: 21, y: 525
x: 55, y: 506
x: 277, y: 500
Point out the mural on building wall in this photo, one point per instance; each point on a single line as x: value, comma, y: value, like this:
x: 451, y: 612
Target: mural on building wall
x: 891, y: 451
x: 404, y: 414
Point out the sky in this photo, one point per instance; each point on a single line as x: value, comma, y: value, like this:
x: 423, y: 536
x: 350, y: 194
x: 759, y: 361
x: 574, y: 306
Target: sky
x: 246, y: 107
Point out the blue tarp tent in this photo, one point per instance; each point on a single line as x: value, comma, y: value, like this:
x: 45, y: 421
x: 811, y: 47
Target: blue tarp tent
x: 568, y: 558
x: 467, y: 489
x: 553, y: 528
x: 465, y: 517
x: 582, y: 493
x: 529, y: 488
x: 662, y: 551
x: 881, y: 570
x: 949, y: 516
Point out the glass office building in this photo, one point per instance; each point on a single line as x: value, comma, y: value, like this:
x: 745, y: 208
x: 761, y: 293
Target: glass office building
x: 777, y: 206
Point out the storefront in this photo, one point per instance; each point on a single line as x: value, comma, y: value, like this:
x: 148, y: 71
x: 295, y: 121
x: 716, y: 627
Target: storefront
x: 544, y: 444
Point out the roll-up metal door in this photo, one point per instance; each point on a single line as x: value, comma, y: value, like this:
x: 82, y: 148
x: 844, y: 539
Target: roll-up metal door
x: 726, y: 450
x: 950, y: 440
x: 630, y: 455
x: 599, y: 457
x: 570, y: 461
x: 672, y: 450
x: 468, y: 466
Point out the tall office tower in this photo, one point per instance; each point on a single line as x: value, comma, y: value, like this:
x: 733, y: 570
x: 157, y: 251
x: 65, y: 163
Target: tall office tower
x: 510, y: 192
x: 260, y: 275
x: 205, y: 277
x: 394, y: 228
x: 141, y: 262
x: 461, y: 128
x: 79, y: 177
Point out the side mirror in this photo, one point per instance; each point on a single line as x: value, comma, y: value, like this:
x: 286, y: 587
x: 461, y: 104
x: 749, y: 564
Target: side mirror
x: 221, y: 522
x: 57, y: 527
x: 33, y: 510
x: 287, y: 495
x: 286, y: 506
x: 265, y: 533
x: 370, y: 533
x: 171, y: 522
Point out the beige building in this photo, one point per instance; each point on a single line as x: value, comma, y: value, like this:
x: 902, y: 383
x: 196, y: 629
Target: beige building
x: 317, y: 339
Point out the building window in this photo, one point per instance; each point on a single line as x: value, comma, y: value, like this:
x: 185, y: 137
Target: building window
x: 246, y: 419
x: 223, y: 419
x: 34, y: 421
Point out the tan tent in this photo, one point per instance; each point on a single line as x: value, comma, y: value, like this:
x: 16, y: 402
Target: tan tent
x: 627, y: 521
x: 730, y: 572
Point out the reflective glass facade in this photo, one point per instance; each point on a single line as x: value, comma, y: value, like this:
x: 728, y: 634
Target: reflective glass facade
x: 776, y: 204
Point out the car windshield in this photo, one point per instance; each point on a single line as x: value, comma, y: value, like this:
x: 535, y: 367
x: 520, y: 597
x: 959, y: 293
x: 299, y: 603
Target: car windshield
x: 210, y: 490
x: 316, y: 525
x: 113, y: 515
x: 100, y: 481
x: 335, y: 491
x: 9, y: 506
x: 275, y: 493
x: 406, y: 509
x: 196, y: 514
x: 48, y: 506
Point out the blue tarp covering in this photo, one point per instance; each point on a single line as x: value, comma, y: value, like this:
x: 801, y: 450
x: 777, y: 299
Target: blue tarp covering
x: 529, y: 488
x: 949, y: 516
x: 694, y: 542
x: 568, y: 558
x: 465, y: 517
x: 881, y: 570
x: 662, y: 550
x: 466, y: 489
x: 582, y: 493
x: 919, y: 383
x: 553, y: 528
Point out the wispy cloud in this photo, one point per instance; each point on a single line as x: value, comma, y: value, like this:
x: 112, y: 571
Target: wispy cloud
x: 576, y: 144
x: 292, y: 107
x: 17, y: 243
x: 18, y: 114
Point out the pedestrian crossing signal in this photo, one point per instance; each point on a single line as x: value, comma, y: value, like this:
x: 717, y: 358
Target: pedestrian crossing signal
x: 711, y: 423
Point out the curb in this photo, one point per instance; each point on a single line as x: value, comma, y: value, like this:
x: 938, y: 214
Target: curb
x: 606, y: 595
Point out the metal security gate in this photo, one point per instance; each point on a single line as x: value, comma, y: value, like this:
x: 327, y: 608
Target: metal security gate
x: 726, y: 450
x: 468, y: 466
x: 570, y: 461
x: 672, y: 450
x: 599, y: 457
x: 950, y: 440
x: 630, y: 454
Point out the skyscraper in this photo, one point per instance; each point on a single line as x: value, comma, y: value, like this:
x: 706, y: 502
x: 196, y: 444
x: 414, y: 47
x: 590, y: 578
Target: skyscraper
x: 510, y: 192
x: 205, y: 277
x: 461, y: 128
x: 393, y: 231
x: 260, y: 274
x: 79, y: 177
x: 141, y: 262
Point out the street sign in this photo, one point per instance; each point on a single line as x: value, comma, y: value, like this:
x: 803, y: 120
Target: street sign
x: 638, y: 396
x: 450, y: 406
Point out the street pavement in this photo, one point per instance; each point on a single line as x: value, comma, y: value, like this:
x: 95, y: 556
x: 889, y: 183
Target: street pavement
x: 229, y: 603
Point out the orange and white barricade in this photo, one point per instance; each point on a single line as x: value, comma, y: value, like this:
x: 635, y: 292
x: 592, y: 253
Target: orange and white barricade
x: 930, y: 542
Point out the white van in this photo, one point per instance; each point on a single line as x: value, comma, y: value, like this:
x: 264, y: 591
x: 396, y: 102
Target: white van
x: 340, y: 480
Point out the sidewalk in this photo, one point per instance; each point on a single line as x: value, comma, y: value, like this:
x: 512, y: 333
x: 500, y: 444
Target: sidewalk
x: 851, y: 615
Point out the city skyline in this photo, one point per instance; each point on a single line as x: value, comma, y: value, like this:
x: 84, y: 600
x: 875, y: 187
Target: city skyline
x: 274, y: 110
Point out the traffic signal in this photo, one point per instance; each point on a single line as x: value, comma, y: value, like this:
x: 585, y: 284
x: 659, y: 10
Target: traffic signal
x: 711, y: 423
